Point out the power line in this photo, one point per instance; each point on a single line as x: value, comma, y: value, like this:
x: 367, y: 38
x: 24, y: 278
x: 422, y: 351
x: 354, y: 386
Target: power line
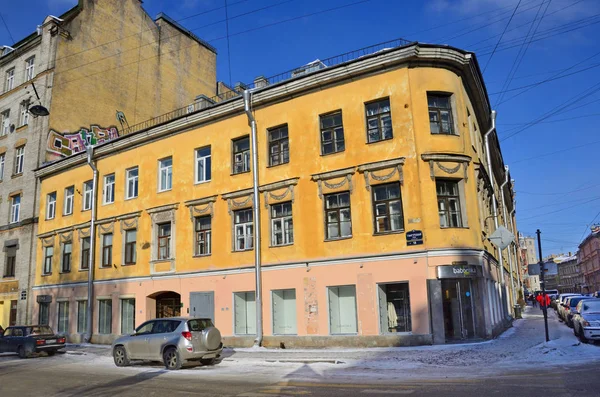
x: 587, y: 226
x: 562, y: 209
x: 228, y: 48
x: 551, y: 205
x: 583, y: 116
x: 7, y: 29
x: 557, y: 194
x: 501, y: 36
x: 556, y: 152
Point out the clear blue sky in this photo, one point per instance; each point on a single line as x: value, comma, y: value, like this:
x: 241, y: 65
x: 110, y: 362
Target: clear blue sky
x: 559, y: 193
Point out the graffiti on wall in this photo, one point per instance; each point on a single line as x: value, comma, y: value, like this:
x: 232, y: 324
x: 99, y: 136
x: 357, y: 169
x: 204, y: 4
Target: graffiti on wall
x: 68, y: 143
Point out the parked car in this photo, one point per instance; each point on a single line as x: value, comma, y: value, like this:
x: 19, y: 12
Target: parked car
x: 29, y: 339
x: 562, y: 305
x: 173, y: 341
x: 586, y: 322
x: 572, y: 308
x: 560, y: 298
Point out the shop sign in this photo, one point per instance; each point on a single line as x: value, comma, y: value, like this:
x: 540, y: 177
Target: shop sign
x: 458, y: 271
x: 414, y: 237
x: 44, y: 298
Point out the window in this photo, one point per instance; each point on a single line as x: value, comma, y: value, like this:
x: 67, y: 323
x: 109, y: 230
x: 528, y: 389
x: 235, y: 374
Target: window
x: 394, y: 308
x: 279, y: 150
x: 127, y: 316
x: 203, y: 165
x: 387, y: 208
x: 81, y: 316
x: 109, y: 189
x: 107, y: 241
x: 440, y: 114
x: 51, y: 205
x: 203, y: 235
x: 131, y: 184
x: 87, y: 195
x: 48, y: 254
x: 63, y: 317
x: 66, y: 257
x: 244, y: 230
x: 241, y: 155
x: 130, y: 252
x: 5, y: 126
x: 164, y: 241
x: 85, y: 253
x: 379, y: 121
x: 332, y: 133
x: 284, y: 311
x: 68, y: 205
x: 104, y: 316
x: 2, y: 161
x: 29, y: 68
x: 165, y: 174
x: 448, y: 197
x: 24, y: 114
x: 19, y: 160
x: 342, y: 310
x: 15, y: 209
x: 11, y: 261
x: 44, y: 316
x: 244, y: 309
x: 10, y: 79
x: 338, y: 222
x: 282, y: 226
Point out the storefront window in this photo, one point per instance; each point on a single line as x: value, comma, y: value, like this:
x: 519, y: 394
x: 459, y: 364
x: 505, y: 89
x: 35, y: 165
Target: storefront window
x: 394, y: 308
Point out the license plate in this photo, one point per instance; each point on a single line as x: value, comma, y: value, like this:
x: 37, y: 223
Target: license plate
x: 49, y: 341
x: 209, y: 356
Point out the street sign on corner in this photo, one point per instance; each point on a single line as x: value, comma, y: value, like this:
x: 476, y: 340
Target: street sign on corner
x: 414, y: 237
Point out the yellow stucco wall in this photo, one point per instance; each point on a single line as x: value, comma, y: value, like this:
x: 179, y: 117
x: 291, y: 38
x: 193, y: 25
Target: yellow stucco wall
x: 407, y: 90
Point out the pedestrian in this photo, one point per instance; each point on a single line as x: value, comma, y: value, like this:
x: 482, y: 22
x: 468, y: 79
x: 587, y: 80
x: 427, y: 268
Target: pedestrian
x: 543, y: 300
x: 1, y: 330
x: 533, y: 301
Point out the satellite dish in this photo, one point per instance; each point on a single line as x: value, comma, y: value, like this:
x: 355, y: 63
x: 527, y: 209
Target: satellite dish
x: 38, y: 110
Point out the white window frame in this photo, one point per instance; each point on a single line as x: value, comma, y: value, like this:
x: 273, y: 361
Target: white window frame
x: 5, y: 123
x: 51, y: 205
x: 286, y: 226
x: 108, y: 196
x: 68, y: 201
x: 132, y: 180
x: 165, y: 174
x: 2, y: 163
x: 15, y: 208
x: 88, y: 188
x: 204, y: 162
x: 63, y: 323
x: 10, y: 79
x: 19, y: 160
x: 243, y: 228
x: 24, y: 114
x: 47, y: 264
x: 29, y: 68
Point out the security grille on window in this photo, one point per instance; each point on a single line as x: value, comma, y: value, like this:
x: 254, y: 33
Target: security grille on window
x: 87, y: 195
x: 244, y: 230
x: 241, y: 155
x: 10, y: 79
x: 440, y: 114
x: 164, y: 241
x: 24, y: 114
x: 279, y: 150
x: 338, y: 221
x: 66, y: 257
x: 68, y: 205
x: 63, y: 317
x: 104, y: 316
x: 48, y: 254
x: 2, y: 161
x: 131, y: 188
x: 387, y: 208
x: 107, y: 240
x: 379, y: 121
x: 11, y: 261
x: 342, y: 310
x: 15, y: 209
x: 19, y: 160
x: 282, y: 226
x: 203, y: 165
x: 332, y: 133
x: 203, y: 235
x: 244, y: 309
x: 85, y: 253
x: 81, y: 316
x: 29, y: 68
x: 127, y: 316
x: 50, y: 205
x: 130, y: 250
x: 284, y: 311
x: 5, y: 125
x: 448, y: 203
x: 165, y: 174
x: 109, y: 189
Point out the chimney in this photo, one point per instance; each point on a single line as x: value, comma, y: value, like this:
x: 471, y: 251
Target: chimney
x: 260, y: 82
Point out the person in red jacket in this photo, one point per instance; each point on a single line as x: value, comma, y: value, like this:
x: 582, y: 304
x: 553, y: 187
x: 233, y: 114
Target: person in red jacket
x: 543, y: 300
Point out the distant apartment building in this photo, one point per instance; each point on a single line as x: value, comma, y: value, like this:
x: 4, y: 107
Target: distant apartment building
x: 570, y: 276
x: 529, y: 257
x: 589, y: 261
x: 97, y: 61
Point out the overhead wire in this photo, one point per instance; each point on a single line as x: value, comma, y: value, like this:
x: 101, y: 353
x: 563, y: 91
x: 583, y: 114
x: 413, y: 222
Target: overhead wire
x: 501, y: 36
x: 7, y: 29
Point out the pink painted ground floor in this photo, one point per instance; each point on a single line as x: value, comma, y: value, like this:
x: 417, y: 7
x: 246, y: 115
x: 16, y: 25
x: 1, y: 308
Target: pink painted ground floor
x: 418, y: 298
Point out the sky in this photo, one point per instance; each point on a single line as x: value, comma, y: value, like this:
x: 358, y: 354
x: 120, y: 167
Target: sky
x: 548, y: 121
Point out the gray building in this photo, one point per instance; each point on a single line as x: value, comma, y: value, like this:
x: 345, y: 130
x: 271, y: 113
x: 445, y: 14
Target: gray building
x: 570, y: 276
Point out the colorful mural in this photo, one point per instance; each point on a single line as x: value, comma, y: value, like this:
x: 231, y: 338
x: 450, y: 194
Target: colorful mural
x: 67, y: 143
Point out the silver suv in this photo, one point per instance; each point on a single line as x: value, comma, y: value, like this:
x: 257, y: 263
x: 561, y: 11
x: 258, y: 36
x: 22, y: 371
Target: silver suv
x: 173, y: 341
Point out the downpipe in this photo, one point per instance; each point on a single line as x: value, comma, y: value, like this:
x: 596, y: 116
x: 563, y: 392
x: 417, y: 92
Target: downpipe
x: 510, y: 256
x: 256, y: 206
x: 91, y: 265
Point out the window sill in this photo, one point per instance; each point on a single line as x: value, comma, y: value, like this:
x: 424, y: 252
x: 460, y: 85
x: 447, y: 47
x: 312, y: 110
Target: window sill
x: 239, y: 173
x: 277, y: 165
x: 201, y: 255
x: 64, y: 272
x: 445, y: 134
x: 202, y: 182
x: 112, y: 202
x: 13, y: 176
x: 86, y: 209
x: 163, y: 191
x: 46, y: 274
x: 67, y: 214
x: 105, y: 267
x: 454, y: 227
x: 49, y: 219
x: 246, y: 250
x: 281, y: 245
x: 130, y: 198
x: 332, y: 153
x: 83, y: 270
x: 327, y: 240
x: 21, y: 128
x: 128, y: 264
x: 381, y: 140
x: 390, y: 232
x: 161, y: 260
x: 8, y: 277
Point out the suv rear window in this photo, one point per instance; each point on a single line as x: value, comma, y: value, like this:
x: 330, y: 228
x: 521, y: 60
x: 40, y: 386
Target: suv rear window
x: 40, y: 330
x: 197, y: 325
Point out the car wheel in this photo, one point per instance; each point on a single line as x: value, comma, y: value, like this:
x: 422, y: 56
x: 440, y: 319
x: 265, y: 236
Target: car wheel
x: 51, y: 353
x: 22, y: 352
x: 120, y: 356
x: 171, y: 359
x: 208, y: 361
x: 582, y: 337
x: 575, y: 330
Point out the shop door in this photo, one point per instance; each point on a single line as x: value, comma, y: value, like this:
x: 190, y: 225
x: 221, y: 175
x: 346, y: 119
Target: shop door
x: 13, y: 313
x: 168, y: 304
x: 459, y: 320
x: 202, y: 304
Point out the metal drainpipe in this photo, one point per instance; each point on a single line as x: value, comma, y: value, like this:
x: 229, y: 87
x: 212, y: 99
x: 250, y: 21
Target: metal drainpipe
x: 90, y: 296
x: 494, y: 203
x: 510, y: 259
x: 257, y: 265
x: 516, y: 253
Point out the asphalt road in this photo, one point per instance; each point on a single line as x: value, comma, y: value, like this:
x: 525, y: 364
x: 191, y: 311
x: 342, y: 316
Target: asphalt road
x: 66, y: 375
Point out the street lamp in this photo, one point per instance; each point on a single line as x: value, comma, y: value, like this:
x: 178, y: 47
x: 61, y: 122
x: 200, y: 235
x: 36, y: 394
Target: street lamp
x: 38, y: 110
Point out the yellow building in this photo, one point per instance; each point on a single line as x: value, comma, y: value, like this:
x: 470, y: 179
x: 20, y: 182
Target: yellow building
x: 375, y: 208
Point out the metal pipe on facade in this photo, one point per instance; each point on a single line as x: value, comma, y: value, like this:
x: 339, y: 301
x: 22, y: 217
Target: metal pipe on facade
x: 510, y: 257
x: 494, y: 203
x: 90, y: 296
x: 515, y: 253
x: 256, y: 204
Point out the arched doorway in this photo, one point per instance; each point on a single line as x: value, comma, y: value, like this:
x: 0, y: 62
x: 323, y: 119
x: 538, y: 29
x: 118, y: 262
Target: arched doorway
x: 168, y: 304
